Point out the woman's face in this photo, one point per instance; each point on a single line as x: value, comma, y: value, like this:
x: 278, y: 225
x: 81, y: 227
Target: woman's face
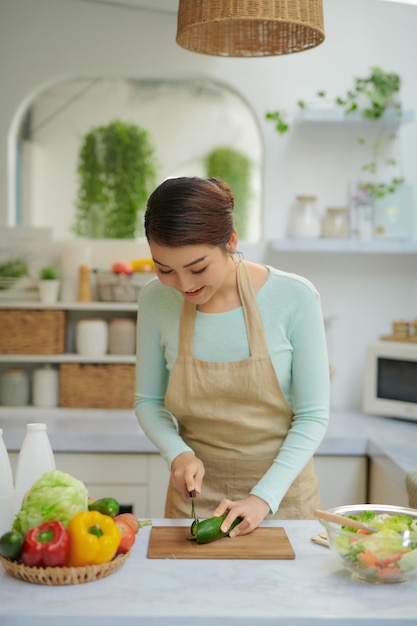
x: 198, y: 271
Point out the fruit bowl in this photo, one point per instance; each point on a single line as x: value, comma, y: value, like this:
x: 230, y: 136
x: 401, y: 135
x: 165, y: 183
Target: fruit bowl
x: 385, y: 556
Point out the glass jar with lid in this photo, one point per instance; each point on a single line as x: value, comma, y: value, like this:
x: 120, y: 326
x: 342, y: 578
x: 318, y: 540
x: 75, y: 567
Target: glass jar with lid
x: 336, y: 223
x: 305, y: 219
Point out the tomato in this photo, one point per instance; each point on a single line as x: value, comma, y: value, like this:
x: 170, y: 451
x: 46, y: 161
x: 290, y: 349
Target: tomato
x: 121, y: 267
x: 389, y: 572
x: 127, y: 536
x: 368, y: 558
x: 130, y: 519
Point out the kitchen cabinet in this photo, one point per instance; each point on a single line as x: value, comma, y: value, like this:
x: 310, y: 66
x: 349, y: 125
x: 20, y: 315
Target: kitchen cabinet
x: 140, y: 480
x: 75, y: 311
x: 137, y: 481
x: 342, y: 479
x: 386, y: 483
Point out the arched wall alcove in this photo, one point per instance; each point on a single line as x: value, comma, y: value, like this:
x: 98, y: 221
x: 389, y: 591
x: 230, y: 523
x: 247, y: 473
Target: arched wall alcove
x: 186, y: 119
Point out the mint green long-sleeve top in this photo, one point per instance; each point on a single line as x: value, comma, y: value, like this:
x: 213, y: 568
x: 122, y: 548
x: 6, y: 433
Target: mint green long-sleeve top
x: 293, y: 322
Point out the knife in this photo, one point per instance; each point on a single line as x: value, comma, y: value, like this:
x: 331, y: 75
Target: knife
x: 193, y: 513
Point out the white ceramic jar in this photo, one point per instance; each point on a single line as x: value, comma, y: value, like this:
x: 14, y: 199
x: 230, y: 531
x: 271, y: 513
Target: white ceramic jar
x: 122, y: 336
x: 92, y: 337
x: 14, y: 388
x: 45, y: 387
x: 305, y: 219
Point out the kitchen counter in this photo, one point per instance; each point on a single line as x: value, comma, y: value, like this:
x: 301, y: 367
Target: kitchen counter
x: 349, y: 433
x: 311, y: 589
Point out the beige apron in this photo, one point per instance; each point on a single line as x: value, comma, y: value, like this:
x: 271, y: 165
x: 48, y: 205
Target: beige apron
x: 235, y: 417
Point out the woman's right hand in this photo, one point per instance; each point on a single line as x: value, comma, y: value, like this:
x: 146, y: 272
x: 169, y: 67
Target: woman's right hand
x: 187, y: 473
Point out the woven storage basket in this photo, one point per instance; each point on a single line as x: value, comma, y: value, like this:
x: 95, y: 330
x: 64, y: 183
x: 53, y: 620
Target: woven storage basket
x: 240, y: 28
x: 32, y: 332
x: 97, y: 386
x: 62, y: 575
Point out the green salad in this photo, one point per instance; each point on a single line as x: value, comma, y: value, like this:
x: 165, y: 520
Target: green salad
x: 383, y: 554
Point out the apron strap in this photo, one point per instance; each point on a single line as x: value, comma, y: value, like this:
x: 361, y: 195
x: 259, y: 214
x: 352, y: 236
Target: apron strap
x: 253, y: 320
x: 254, y: 325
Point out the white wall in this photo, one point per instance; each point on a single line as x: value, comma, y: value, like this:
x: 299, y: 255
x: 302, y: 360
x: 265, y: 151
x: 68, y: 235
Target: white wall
x: 48, y: 40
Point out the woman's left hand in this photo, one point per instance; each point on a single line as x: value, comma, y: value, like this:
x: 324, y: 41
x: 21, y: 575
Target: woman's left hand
x: 252, y: 510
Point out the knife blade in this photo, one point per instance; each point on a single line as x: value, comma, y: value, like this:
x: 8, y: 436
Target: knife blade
x: 193, y: 513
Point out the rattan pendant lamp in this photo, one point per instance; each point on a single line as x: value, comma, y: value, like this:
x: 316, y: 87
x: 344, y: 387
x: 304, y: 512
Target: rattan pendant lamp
x: 249, y: 28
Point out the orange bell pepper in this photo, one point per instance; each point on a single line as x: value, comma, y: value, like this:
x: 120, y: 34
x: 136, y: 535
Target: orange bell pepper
x: 94, y: 539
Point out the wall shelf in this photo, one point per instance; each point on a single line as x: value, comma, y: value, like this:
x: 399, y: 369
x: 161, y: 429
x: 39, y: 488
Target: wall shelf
x: 294, y: 244
x: 69, y: 306
x: 66, y: 358
x: 337, y: 116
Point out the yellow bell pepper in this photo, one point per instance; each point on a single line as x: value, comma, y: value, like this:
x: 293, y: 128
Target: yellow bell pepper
x: 142, y: 265
x: 94, y: 539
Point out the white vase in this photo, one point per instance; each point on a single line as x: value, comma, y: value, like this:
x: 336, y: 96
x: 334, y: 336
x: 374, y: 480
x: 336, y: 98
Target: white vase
x: 48, y: 290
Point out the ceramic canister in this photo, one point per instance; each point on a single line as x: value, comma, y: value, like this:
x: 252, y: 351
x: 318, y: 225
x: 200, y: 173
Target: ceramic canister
x: 45, y: 387
x: 92, y: 336
x: 14, y: 388
x: 122, y: 336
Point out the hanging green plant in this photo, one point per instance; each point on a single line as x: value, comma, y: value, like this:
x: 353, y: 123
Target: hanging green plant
x: 117, y: 171
x: 373, y: 97
x: 235, y: 168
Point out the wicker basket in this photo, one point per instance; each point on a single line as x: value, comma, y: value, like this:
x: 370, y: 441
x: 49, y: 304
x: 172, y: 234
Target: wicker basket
x: 62, y: 575
x: 97, y: 386
x: 121, y: 287
x: 32, y: 332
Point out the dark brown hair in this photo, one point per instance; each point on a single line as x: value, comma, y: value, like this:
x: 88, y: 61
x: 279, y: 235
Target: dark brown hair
x: 190, y: 211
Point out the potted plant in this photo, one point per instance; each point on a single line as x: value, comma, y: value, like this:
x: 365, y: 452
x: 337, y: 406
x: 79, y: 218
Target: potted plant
x: 234, y: 168
x: 48, y: 284
x: 11, y: 271
x: 117, y: 172
x: 374, y: 98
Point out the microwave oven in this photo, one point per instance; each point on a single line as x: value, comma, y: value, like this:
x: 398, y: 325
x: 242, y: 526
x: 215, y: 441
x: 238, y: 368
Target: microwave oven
x: 390, y: 379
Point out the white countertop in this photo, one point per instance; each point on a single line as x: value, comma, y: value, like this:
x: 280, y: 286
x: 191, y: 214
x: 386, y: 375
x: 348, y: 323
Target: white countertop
x: 312, y: 589
x: 349, y: 433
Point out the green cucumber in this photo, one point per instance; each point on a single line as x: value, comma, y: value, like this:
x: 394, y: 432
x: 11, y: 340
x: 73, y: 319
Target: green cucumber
x: 11, y: 544
x: 208, y: 530
x: 107, y: 506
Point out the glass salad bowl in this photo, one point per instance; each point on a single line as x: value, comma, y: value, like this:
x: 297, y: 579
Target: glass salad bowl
x: 388, y: 555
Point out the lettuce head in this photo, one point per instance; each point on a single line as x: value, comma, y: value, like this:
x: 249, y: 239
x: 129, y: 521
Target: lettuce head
x: 54, y: 496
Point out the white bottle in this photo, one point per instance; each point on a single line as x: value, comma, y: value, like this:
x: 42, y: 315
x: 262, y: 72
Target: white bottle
x: 6, y: 489
x: 35, y: 458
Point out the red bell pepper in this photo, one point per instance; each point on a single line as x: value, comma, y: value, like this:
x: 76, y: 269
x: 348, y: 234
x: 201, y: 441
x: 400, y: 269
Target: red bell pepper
x: 46, y: 545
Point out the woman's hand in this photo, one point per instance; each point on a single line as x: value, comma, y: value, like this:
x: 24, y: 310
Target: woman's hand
x: 252, y: 510
x: 187, y: 473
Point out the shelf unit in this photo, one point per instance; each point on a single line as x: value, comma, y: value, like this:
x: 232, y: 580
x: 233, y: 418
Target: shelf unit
x: 75, y: 311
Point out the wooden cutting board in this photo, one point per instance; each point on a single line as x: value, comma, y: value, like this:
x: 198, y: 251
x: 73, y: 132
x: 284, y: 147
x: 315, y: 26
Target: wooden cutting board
x: 170, y: 542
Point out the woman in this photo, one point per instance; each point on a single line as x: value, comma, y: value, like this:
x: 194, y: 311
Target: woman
x: 232, y: 370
